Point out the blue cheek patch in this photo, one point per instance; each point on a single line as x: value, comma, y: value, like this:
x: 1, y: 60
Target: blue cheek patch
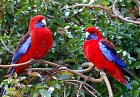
x: 92, y: 36
x: 38, y: 25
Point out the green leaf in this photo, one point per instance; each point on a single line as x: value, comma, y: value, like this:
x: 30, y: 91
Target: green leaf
x: 34, y: 92
x: 22, y: 78
x: 104, y: 2
x: 67, y: 13
x: 137, y: 64
x: 40, y: 86
x: 69, y: 60
x: 11, y: 91
x: 57, y: 86
x: 44, y: 93
x: 138, y: 50
x: 65, y: 75
x: 35, y: 74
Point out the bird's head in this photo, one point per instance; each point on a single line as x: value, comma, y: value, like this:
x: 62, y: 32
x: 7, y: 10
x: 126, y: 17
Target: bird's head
x: 37, y: 22
x: 93, y: 33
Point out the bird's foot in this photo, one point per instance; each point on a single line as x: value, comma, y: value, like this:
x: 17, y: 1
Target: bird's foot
x: 32, y: 61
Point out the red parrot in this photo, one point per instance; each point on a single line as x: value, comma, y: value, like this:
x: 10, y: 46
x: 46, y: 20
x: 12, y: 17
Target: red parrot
x: 33, y: 45
x: 103, y: 55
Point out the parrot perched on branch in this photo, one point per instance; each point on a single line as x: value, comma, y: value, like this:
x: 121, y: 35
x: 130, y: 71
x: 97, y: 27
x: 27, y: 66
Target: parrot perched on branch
x: 103, y: 55
x: 33, y: 45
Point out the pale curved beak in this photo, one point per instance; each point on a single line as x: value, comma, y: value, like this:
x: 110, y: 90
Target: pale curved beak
x: 87, y: 34
x: 44, y: 22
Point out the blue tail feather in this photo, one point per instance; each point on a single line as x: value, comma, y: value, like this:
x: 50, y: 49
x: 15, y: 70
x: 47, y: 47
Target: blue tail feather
x: 128, y: 86
x: 3, y: 92
x: 12, y: 70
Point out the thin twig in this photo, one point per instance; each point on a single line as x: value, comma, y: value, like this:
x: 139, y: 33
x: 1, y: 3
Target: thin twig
x: 137, y: 2
x: 64, y: 92
x: 117, y: 13
x: 96, y: 6
x: 74, y: 15
x: 86, y: 64
x: 40, y: 69
x: 89, y: 91
x: 103, y: 75
x: 45, y: 4
x: 6, y: 46
x: 72, y: 83
x: 79, y: 20
x: 89, y: 66
x: 76, y: 83
x: 50, y: 63
x: 15, y: 65
x: 78, y: 93
x: 85, y: 77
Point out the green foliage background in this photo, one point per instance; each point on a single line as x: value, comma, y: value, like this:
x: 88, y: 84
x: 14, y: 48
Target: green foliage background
x: 67, y: 25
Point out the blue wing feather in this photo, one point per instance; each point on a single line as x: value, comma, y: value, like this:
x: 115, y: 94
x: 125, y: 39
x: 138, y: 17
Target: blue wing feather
x: 22, y: 48
x: 111, y: 54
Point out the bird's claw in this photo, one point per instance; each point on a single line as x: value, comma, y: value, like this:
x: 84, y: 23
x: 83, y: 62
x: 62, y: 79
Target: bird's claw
x: 32, y: 61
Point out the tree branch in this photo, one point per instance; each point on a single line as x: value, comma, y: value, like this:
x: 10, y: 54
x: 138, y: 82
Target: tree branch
x: 102, y: 78
x: 78, y: 93
x: 137, y: 2
x: 76, y: 72
x: 87, y: 64
x: 79, y: 20
x: 6, y: 46
x: 40, y: 69
x: 49, y: 63
x: 45, y: 5
x: 15, y: 65
x: 86, y: 86
x: 95, y: 6
x: 117, y: 13
x: 103, y: 75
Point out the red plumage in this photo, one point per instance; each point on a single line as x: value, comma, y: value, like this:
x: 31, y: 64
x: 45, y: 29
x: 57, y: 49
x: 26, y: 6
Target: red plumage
x: 95, y: 54
x: 40, y: 42
x: 34, y: 45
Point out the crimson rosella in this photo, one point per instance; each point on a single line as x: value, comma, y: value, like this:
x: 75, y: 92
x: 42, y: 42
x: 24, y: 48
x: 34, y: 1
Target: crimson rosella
x: 103, y: 55
x: 33, y: 45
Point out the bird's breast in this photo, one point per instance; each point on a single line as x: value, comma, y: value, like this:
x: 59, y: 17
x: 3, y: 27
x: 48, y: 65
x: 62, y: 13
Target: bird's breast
x: 91, y: 49
x: 41, y: 42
